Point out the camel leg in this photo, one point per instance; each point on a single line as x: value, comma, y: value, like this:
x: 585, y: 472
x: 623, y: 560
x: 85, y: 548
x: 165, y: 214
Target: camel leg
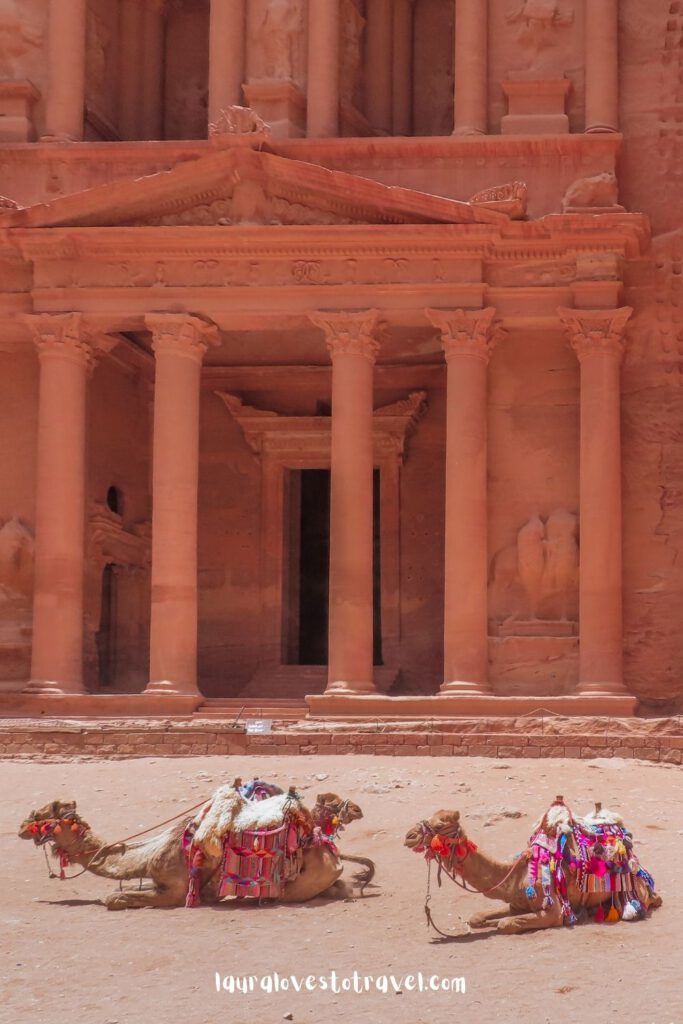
x: 136, y: 899
x: 341, y: 890
x: 487, y: 917
x: 550, y: 918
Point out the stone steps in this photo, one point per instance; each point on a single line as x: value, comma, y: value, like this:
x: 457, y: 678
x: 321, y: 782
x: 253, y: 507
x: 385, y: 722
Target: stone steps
x: 280, y: 709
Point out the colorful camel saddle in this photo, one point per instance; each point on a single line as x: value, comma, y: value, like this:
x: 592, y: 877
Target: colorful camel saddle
x: 258, y: 831
x: 597, y: 854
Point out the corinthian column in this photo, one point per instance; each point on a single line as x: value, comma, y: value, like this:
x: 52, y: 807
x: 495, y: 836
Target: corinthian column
x: 227, y: 35
x: 66, y: 359
x: 65, y: 101
x: 602, y: 65
x: 598, y: 338
x: 322, y: 118
x: 468, y: 338
x: 353, y: 347
x: 179, y: 343
x: 471, y: 67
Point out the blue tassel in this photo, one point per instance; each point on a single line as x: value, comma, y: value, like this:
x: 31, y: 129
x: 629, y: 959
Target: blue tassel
x: 530, y: 892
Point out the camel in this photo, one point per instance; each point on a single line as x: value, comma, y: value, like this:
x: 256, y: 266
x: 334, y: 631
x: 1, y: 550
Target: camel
x: 508, y: 881
x: 162, y: 860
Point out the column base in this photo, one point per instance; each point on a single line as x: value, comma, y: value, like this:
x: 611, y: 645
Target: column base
x: 340, y: 687
x: 602, y: 129
x: 466, y: 688
x: 165, y: 687
x: 465, y: 130
x: 602, y: 690
x: 58, y: 137
x: 50, y: 687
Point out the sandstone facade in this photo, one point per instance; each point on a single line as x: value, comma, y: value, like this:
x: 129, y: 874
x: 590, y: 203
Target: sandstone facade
x: 341, y: 350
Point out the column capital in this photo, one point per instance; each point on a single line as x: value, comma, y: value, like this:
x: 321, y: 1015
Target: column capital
x: 596, y: 331
x: 349, y: 333
x: 181, y: 334
x: 468, y: 332
x: 69, y: 336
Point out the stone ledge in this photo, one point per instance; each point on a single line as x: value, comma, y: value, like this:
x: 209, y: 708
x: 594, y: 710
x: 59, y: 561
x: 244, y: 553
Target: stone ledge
x: 451, y: 705
x: 111, y: 740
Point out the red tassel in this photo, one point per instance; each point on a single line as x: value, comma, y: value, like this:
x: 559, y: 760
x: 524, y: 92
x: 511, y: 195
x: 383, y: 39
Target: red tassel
x: 193, y: 898
x: 600, y: 914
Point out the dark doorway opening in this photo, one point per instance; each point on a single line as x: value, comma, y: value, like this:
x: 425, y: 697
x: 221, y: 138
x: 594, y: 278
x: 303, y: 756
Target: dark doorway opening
x: 106, y: 634
x: 308, y: 563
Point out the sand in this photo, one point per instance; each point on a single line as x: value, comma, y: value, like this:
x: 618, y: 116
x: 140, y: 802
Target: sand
x: 65, y: 958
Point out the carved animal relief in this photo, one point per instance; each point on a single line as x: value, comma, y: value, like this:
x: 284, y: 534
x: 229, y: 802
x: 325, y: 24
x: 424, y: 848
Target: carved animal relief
x: 534, y: 582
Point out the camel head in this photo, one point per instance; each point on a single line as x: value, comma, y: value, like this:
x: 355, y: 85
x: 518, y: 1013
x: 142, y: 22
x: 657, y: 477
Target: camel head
x: 445, y: 824
x: 54, y: 820
x: 329, y: 806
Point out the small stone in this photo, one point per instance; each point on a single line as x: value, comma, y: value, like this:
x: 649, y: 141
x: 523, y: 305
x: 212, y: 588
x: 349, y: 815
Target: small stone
x: 321, y: 776
x: 288, y: 1016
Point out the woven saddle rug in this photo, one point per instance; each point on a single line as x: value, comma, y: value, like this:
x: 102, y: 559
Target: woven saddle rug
x: 596, y: 851
x: 259, y: 840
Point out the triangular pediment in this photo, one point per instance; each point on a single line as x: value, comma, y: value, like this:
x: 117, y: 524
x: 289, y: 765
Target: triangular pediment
x: 240, y: 185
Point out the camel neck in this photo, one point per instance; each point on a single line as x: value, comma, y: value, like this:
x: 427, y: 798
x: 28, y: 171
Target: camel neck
x: 483, y: 873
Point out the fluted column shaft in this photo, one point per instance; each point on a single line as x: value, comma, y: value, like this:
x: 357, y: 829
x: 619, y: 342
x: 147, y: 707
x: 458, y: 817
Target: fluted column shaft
x: 323, y: 69
x: 65, y: 101
x: 179, y: 343
x: 353, y: 347
x: 471, y: 67
x: 227, y: 36
x: 468, y: 339
x: 602, y: 65
x: 598, y: 338
x: 66, y: 359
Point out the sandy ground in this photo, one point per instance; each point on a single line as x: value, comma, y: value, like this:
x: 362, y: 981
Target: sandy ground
x: 64, y: 957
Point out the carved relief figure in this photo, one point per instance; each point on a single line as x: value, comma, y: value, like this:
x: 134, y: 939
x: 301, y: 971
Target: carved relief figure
x: 601, y: 191
x: 16, y: 591
x: 351, y: 57
x: 98, y: 43
x: 531, y: 562
x: 536, y: 579
x: 21, y: 34
x: 537, y: 23
x: 561, y: 571
x: 236, y: 120
x: 277, y: 36
x: 433, y: 72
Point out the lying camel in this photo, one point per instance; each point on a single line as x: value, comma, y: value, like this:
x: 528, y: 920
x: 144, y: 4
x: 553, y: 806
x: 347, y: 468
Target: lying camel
x: 506, y: 880
x: 162, y: 860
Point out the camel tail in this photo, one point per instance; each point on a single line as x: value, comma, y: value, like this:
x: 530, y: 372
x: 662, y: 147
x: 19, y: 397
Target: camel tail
x: 361, y: 878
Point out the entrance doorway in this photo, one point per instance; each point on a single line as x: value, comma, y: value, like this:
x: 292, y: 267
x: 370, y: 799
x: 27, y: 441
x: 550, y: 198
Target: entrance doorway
x: 307, y: 567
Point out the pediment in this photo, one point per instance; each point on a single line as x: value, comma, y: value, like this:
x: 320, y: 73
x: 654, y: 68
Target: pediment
x: 245, y: 186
